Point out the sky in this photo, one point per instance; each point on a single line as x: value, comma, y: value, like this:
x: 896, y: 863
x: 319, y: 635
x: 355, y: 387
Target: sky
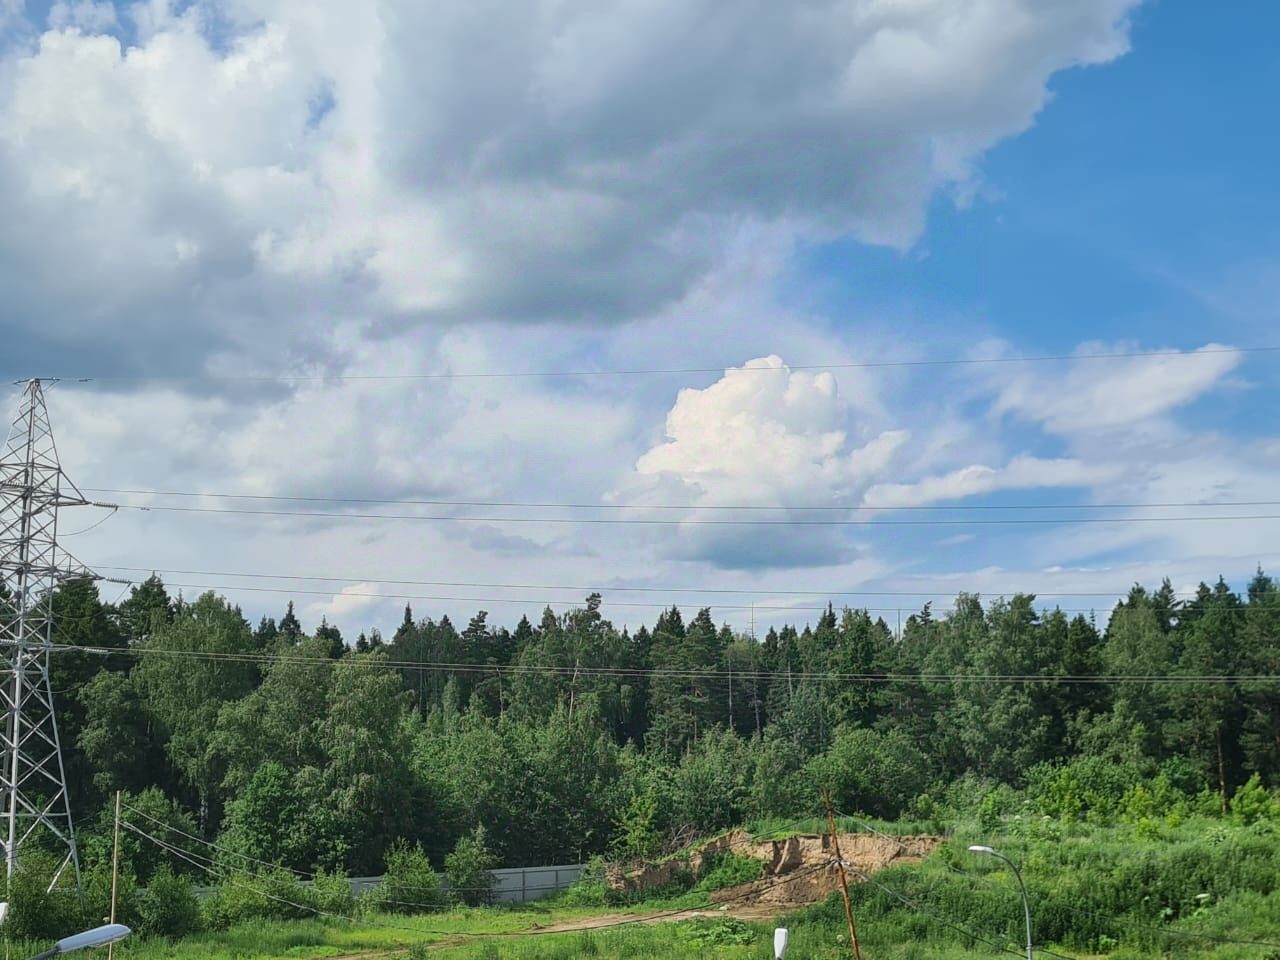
x: 474, y: 281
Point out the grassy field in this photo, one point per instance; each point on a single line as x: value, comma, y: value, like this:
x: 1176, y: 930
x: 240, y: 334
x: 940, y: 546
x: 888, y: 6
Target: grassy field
x: 1203, y: 888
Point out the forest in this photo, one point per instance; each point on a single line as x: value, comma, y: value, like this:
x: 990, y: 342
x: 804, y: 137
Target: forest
x: 566, y: 738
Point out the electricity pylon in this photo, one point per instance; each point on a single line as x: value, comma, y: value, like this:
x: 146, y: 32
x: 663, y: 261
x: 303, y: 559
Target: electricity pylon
x: 33, y: 780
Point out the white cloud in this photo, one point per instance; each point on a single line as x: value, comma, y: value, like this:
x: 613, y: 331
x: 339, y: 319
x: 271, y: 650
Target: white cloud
x: 264, y: 165
x: 1104, y: 394
x: 351, y: 603
x: 762, y: 435
x: 1020, y: 473
x: 88, y: 16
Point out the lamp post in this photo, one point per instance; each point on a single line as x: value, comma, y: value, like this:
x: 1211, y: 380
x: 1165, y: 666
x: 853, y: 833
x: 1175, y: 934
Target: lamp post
x: 1026, y: 903
x: 97, y: 937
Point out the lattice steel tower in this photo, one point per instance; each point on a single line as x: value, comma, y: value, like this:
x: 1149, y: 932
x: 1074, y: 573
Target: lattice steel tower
x: 33, y: 781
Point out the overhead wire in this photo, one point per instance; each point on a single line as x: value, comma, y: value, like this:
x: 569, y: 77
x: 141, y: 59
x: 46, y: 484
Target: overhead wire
x: 567, y: 505
x: 695, y: 521
x: 578, y: 670
x: 208, y: 865
x: 951, y: 590
x: 1131, y: 922
x: 654, y: 371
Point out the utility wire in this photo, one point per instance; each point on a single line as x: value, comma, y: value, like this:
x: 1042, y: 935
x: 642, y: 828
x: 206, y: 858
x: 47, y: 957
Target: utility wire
x: 721, y: 370
x: 302, y: 874
x: 1242, y: 611
x: 1122, y: 920
x: 411, y: 501
x: 359, y: 662
x: 697, y: 521
x: 950, y: 590
x: 300, y: 591
x: 208, y: 866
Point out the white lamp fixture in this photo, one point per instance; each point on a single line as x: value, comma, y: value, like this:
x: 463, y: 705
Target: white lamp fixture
x: 97, y: 937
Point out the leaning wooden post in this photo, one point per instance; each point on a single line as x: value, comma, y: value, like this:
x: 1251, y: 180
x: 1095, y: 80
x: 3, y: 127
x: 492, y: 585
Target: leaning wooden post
x: 844, y: 881
x: 115, y: 873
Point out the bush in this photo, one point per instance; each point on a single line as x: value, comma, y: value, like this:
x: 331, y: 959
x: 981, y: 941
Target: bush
x: 871, y: 772
x: 331, y: 893
x: 168, y: 907
x: 467, y: 870
x: 728, y: 870
x: 589, y: 890
x: 273, y: 894
x: 1252, y: 803
x: 409, y: 885
x: 35, y: 914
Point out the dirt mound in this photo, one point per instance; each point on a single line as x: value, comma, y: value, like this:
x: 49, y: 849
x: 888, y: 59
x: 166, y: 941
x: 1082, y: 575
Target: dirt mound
x: 797, y: 870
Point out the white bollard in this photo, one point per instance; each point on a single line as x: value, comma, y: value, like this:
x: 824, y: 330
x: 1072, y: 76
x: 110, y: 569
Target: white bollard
x: 780, y: 937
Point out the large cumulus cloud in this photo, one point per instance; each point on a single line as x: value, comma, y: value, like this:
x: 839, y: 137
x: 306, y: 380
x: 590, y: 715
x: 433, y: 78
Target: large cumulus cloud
x: 234, y: 176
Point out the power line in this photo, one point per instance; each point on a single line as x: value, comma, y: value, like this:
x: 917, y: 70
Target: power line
x: 1121, y: 920
x: 950, y: 592
x: 580, y: 671
x: 649, y: 605
x: 695, y: 521
x: 519, y: 601
x: 208, y: 865
x: 536, y: 504
x: 654, y: 371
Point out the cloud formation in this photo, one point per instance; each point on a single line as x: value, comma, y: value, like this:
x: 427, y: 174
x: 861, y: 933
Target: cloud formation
x: 1021, y: 473
x: 235, y: 175
x: 1101, y: 395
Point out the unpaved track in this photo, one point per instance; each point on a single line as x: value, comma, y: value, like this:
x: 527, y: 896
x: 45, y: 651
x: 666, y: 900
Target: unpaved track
x: 751, y: 912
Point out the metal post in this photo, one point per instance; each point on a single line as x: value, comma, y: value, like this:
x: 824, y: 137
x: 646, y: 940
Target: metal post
x: 33, y: 780
x: 1022, y: 887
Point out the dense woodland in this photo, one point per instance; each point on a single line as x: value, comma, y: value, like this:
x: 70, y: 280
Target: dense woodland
x: 568, y: 738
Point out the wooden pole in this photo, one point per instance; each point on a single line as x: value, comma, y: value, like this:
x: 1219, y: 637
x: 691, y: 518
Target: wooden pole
x: 115, y: 873
x: 844, y: 880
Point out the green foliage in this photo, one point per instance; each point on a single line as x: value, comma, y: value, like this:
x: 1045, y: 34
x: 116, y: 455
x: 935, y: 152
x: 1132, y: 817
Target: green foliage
x: 467, y: 869
x: 330, y: 893
x: 728, y: 870
x: 1253, y: 803
x: 634, y: 744
x: 271, y: 894
x: 168, y: 906
x: 409, y: 885
x: 871, y: 772
x: 636, y: 835
x: 717, y: 933
x: 35, y: 914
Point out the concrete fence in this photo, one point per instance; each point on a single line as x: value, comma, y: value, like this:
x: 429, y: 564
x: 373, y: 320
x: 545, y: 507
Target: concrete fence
x: 513, y: 885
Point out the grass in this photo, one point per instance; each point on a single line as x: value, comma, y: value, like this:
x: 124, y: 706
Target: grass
x: 1129, y: 892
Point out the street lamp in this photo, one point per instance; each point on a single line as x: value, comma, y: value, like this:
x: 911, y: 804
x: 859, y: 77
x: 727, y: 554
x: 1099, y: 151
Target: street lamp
x: 97, y: 937
x: 1026, y: 904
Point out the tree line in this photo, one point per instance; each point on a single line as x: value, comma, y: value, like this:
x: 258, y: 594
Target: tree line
x: 567, y: 738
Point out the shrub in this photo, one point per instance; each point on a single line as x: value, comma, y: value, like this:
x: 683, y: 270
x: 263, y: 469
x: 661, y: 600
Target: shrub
x: 590, y: 889
x: 467, y: 870
x: 410, y: 885
x: 168, y: 907
x: 872, y: 772
x: 1252, y: 803
x: 35, y: 914
x: 637, y: 835
x: 273, y: 894
x: 331, y: 893
x: 728, y: 870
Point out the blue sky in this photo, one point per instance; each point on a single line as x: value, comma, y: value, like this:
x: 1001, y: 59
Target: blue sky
x: 195, y: 194
x: 1142, y: 196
